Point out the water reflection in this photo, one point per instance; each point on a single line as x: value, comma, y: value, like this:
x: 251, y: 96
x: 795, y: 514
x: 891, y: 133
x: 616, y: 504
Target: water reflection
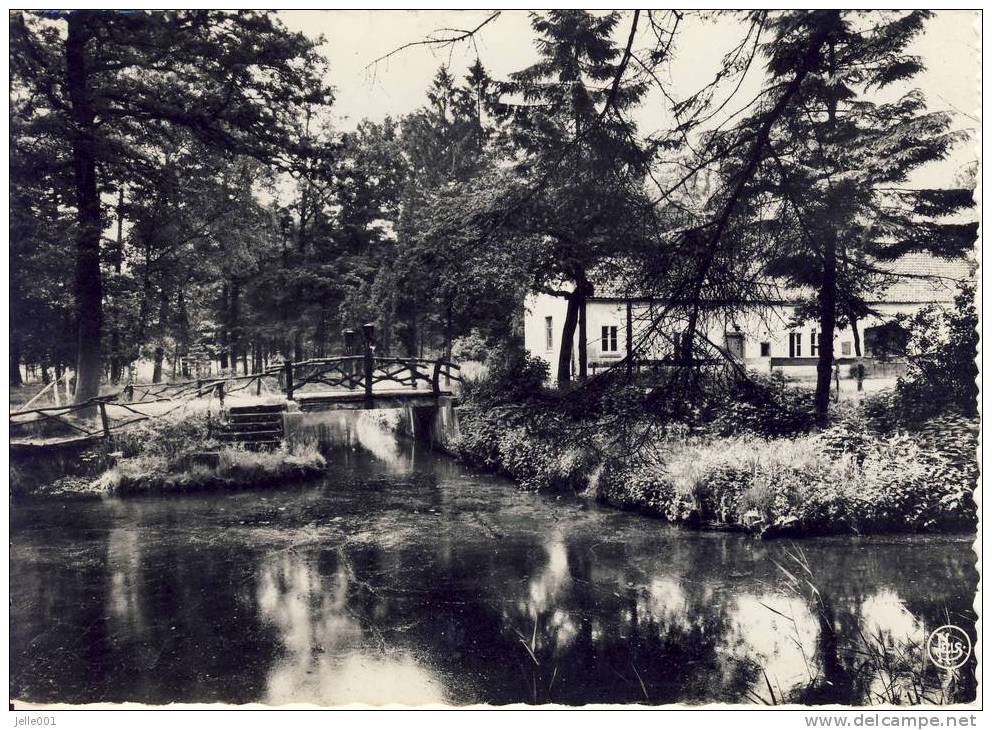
x: 123, y: 593
x: 405, y: 578
x: 325, y: 659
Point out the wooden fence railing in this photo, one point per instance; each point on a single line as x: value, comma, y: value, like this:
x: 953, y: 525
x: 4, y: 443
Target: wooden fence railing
x: 364, y: 372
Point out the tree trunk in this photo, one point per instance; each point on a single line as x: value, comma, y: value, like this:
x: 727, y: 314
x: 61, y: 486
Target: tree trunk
x: 163, y: 320
x: 89, y: 287
x: 15, y: 359
x: 224, y: 313
x: 234, y: 324
x: 157, y: 368
x: 583, y: 342
x: 182, y: 349
x: 827, y: 295
x: 46, y: 378
x: 116, y: 361
x: 567, y: 340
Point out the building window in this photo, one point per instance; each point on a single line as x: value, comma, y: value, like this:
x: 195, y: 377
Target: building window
x: 549, y: 334
x: 609, y: 338
x: 766, y: 349
x: 814, y: 343
x: 845, y: 348
x: 795, y: 344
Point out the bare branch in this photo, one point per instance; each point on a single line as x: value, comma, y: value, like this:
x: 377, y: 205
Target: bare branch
x: 456, y: 35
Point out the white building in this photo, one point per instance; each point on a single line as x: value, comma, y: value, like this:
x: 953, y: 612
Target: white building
x: 764, y: 339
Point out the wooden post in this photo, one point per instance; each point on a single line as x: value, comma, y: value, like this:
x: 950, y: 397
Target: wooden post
x: 289, y: 379
x: 369, y: 369
x: 436, y: 379
x: 220, y: 393
x: 368, y: 330
x: 413, y: 374
x: 104, y: 420
x: 258, y: 385
x: 199, y: 387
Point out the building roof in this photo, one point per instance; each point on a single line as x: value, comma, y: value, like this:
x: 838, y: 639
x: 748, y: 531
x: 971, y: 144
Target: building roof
x: 916, y: 279
x: 923, y: 278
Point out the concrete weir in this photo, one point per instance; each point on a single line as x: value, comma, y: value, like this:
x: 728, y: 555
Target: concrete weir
x: 434, y: 424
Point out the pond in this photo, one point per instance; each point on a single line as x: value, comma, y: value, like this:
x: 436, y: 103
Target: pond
x: 406, y: 577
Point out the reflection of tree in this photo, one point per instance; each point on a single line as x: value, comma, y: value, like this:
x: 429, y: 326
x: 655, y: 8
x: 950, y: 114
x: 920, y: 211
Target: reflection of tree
x: 325, y: 660
x: 869, y: 646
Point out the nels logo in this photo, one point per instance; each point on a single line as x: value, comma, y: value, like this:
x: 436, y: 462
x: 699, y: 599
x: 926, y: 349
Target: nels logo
x: 949, y: 647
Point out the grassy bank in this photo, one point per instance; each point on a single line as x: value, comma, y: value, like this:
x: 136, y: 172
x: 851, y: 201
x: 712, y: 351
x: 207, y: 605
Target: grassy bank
x: 848, y: 478
x: 224, y: 468
x: 732, y: 452
x: 176, y: 454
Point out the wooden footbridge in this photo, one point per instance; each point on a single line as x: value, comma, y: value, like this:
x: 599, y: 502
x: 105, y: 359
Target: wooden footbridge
x: 361, y: 381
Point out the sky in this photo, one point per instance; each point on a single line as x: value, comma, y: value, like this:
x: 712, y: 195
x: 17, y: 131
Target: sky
x: 367, y: 88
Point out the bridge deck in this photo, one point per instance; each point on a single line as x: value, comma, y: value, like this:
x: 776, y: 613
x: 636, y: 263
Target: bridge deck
x: 330, y: 400
x: 35, y: 445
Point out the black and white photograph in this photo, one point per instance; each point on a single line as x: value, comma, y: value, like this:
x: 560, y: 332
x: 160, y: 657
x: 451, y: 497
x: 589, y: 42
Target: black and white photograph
x: 494, y: 359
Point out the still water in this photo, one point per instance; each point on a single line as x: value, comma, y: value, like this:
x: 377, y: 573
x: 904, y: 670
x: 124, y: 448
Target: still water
x: 405, y: 577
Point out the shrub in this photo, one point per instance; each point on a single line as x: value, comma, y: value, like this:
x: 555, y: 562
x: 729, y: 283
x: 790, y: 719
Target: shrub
x: 168, y: 436
x: 809, y: 484
x: 529, y: 447
x: 763, y: 405
x: 472, y: 346
x: 513, y: 376
x: 236, y: 468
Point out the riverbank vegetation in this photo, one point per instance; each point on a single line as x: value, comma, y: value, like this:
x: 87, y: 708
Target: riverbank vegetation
x: 174, y: 455
x: 735, y: 450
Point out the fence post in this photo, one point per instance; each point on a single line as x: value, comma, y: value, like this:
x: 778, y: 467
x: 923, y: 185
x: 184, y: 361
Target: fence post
x: 104, y: 420
x: 220, y: 393
x: 368, y: 332
x: 369, y: 364
x: 436, y: 378
x: 413, y: 374
x: 199, y: 387
x: 289, y: 379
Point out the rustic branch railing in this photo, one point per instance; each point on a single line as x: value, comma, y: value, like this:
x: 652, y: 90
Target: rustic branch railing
x: 91, y: 420
x: 81, y: 421
x: 364, y: 372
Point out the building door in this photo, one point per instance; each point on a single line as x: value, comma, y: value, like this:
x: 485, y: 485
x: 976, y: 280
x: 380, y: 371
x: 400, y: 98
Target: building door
x: 735, y: 345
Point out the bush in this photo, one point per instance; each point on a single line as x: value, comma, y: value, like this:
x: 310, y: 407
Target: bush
x: 169, y: 436
x: 811, y: 484
x: 236, y: 468
x: 529, y: 447
x: 941, y: 369
x: 472, y: 346
x: 763, y: 405
x: 513, y: 377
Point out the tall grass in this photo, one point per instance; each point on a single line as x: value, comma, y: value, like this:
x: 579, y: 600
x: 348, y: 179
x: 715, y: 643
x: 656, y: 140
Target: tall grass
x: 868, y: 669
x: 805, y: 484
x: 178, y: 454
